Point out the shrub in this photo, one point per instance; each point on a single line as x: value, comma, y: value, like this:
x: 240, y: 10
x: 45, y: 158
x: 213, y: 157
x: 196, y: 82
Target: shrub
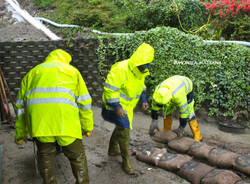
x: 241, y: 29
x: 220, y: 71
x: 94, y: 14
x: 146, y: 15
x: 230, y: 17
x: 44, y: 3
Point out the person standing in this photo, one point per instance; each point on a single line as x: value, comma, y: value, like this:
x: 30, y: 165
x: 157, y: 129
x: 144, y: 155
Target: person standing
x: 123, y: 88
x: 176, y: 91
x: 54, y: 107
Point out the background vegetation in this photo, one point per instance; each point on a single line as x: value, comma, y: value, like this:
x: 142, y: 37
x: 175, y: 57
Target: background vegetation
x: 220, y: 71
x: 190, y: 16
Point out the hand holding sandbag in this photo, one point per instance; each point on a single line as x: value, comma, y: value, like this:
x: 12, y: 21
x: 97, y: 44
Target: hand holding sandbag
x: 153, y: 127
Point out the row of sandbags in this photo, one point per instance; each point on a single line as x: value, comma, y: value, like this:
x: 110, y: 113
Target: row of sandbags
x: 214, y: 156
x: 183, y: 165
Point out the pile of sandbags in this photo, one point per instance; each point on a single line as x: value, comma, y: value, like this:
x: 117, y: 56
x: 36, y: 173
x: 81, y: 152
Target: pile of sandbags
x: 219, y: 157
x: 214, y: 156
x: 189, y: 169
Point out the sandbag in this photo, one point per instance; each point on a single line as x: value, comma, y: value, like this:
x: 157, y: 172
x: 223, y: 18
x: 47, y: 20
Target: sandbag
x: 150, y: 155
x: 157, y: 154
x: 200, y: 150
x: 242, y: 182
x: 181, y: 144
x: 194, y: 171
x: 164, y: 137
x: 219, y: 176
x: 242, y: 164
x: 222, y: 158
x: 173, y: 162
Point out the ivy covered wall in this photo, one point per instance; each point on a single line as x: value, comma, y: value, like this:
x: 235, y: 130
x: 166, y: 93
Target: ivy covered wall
x: 220, y: 71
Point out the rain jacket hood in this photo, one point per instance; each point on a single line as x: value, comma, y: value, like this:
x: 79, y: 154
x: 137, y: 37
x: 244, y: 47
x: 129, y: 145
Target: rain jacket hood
x: 162, y: 96
x: 144, y: 54
x: 60, y: 56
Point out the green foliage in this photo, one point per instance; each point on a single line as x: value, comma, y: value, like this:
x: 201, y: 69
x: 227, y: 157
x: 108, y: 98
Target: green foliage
x: 229, y: 19
x: 241, y: 28
x: 94, y: 14
x: 146, y: 15
x: 43, y: 3
x: 126, y: 15
x: 220, y: 71
x: 192, y: 14
x: 131, y: 15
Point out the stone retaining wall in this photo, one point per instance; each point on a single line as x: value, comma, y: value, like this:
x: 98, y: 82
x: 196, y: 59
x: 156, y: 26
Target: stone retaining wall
x: 17, y: 58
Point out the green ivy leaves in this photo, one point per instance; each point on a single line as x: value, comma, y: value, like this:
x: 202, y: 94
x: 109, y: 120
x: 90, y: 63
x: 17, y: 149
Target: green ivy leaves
x: 220, y: 72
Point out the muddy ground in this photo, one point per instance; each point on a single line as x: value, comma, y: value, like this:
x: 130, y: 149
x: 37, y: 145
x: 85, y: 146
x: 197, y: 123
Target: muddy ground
x: 18, y: 162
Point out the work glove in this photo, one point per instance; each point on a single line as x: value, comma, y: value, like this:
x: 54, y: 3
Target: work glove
x: 20, y: 141
x: 87, y: 133
x: 179, y: 131
x: 153, y: 127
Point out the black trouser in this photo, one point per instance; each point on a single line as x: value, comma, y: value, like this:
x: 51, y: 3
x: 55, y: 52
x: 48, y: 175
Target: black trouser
x: 190, y: 98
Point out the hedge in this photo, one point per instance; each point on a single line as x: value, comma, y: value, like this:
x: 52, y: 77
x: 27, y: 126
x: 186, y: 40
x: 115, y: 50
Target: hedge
x: 220, y: 72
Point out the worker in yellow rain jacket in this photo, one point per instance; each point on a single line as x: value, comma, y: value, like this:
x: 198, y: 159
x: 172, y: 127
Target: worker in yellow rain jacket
x: 176, y: 91
x: 54, y: 106
x: 123, y: 88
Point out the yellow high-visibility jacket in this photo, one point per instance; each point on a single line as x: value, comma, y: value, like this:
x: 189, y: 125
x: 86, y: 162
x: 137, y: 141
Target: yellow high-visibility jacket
x: 53, y: 100
x: 172, y: 93
x: 125, y: 82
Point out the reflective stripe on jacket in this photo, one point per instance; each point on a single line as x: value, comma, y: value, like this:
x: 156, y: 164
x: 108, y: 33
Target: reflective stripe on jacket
x: 178, y: 87
x: 53, y: 100
x: 125, y: 83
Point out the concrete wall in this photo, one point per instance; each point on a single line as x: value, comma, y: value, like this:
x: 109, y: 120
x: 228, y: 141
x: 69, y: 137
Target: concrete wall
x: 17, y: 58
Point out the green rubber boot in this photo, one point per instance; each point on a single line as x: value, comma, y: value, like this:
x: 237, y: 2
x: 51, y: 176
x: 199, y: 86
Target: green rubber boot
x: 46, y: 161
x: 76, y: 154
x: 114, y: 149
x: 123, y: 134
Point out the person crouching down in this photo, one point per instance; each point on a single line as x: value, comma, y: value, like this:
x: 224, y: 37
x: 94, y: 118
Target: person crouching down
x: 123, y: 88
x: 176, y: 91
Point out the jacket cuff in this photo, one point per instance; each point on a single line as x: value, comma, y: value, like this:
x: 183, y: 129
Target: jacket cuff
x: 143, y: 97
